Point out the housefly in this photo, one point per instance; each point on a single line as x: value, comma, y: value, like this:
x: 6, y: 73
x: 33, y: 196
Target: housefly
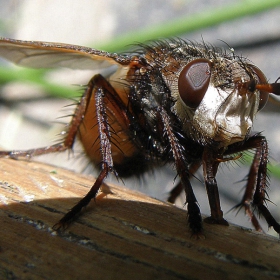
x: 171, y: 101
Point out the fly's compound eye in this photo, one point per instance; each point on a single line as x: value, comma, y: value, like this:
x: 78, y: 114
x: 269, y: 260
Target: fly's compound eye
x: 261, y: 80
x: 194, y: 81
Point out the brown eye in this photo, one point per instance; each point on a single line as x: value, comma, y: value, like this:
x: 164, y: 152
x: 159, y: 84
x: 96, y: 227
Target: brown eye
x: 194, y: 81
x: 261, y: 80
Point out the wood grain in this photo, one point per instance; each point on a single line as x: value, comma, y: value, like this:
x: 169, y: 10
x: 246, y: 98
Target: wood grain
x: 125, y: 235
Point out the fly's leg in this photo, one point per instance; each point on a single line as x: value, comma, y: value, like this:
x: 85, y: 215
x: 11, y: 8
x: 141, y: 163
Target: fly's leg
x: 177, y: 190
x: 104, y: 95
x: 194, y: 215
x: 210, y: 167
x: 105, y: 146
x: 71, y: 133
x: 69, y: 216
x: 255, y: 193
x: 101, y: 89
x: 256, y: 183
x: 67, y: 144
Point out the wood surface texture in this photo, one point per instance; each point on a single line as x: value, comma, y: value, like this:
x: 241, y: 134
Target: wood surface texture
x: 124, y: 235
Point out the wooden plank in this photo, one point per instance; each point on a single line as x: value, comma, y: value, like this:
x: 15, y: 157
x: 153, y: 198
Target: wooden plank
x: 125, y: 235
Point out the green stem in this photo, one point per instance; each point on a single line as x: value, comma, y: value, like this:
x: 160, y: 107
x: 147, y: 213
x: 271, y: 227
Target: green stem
x: 190, y: 23
x: 35, y: 77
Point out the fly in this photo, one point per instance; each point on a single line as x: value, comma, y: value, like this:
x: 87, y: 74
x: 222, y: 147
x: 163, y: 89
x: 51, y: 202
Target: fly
x: 173, y: 101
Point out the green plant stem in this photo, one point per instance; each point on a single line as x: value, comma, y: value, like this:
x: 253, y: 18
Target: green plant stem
x: 35, y: 77
x: 188, y: 24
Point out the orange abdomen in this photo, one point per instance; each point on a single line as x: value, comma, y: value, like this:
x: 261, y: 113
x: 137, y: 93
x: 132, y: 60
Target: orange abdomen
x: 123, y: 147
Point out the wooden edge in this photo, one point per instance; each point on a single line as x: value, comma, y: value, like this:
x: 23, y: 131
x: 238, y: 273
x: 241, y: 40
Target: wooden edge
x: 123, y: 235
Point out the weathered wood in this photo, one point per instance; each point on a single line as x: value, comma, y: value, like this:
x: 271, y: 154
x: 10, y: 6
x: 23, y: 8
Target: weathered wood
x: 126, y: 235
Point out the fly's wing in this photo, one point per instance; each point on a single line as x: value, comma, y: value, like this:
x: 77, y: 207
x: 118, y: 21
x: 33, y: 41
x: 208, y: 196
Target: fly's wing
x: 48, y: 55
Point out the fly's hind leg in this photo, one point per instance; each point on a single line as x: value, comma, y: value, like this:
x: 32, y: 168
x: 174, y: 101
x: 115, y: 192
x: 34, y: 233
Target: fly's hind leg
x: 99, y: 92
x: 100, y: 89
x: 105, y: 98
x: 69, y: 139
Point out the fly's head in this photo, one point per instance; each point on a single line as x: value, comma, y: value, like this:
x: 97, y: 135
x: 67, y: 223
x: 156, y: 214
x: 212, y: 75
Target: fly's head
x: 216, y: 94
x: 217, y: 99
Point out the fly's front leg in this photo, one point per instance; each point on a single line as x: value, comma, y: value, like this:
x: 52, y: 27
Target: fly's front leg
x: 255, y: 193
x: 210, y: 167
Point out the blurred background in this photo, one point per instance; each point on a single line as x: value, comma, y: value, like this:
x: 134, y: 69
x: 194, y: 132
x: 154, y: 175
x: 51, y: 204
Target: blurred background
x: 29, y: 111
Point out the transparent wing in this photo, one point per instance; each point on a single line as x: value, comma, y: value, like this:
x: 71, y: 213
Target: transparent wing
x: 48, y: 55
